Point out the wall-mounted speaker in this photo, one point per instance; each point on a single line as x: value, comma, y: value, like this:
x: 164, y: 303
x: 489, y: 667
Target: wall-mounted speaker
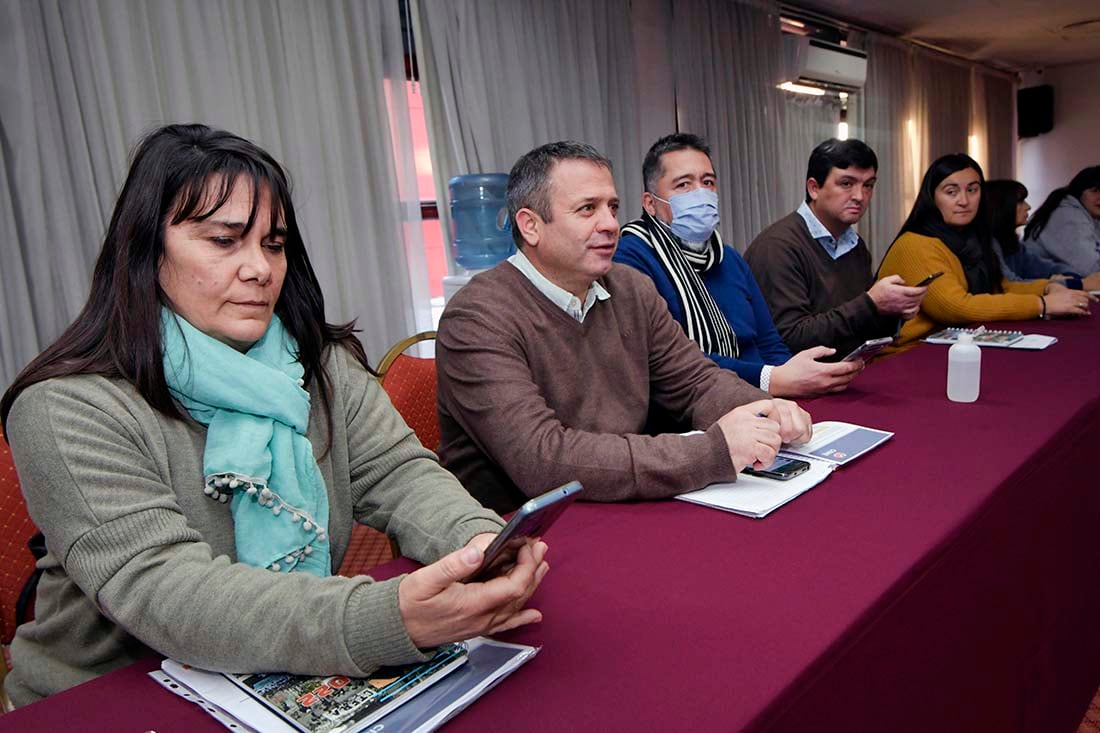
x: 1035, y: 110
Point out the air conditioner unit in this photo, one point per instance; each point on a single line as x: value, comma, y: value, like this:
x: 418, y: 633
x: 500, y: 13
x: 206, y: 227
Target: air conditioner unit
x: 818, y: 63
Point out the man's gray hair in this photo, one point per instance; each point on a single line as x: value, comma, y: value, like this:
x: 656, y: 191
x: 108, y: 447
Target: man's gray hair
x: 529, y: 181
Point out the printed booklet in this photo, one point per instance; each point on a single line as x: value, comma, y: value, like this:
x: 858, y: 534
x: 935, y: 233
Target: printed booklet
x: 455, y: 676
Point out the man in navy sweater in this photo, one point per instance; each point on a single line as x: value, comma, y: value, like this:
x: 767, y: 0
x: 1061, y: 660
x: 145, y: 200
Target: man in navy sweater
x: 709, y: 289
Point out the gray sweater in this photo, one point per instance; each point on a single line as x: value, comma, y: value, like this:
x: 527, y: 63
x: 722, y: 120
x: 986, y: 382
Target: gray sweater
x: 1071, y: 238
x: 139, y: 559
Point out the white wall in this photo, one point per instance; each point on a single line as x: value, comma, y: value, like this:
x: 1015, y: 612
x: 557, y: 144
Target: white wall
x: 1049, y: 161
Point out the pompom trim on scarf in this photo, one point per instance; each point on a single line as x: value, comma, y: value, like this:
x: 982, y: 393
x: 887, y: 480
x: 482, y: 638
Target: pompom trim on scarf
x: 220, y: 486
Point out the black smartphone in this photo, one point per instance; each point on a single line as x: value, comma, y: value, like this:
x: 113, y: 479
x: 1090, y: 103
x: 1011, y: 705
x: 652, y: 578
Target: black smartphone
x: 530, y: 520
x: 869, y: 348
x: 782, y: 469
x: 928, y: 279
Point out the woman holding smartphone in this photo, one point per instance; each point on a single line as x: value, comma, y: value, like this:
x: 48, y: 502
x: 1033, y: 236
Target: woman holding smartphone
x: 948, y: 230
x: 197, y: 444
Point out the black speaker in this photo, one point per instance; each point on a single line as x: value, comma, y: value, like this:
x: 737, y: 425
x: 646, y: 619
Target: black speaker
x: 1035, y: 110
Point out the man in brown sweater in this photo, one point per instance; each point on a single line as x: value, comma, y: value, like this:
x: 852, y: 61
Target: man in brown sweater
x: 550, y: 363
x: 815, y: 270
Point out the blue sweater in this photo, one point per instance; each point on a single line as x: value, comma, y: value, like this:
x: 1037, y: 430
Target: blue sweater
x: 1027, y: 264
x: 734, y: 289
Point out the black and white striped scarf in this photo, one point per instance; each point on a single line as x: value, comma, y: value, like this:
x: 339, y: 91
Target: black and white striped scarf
x: 706, y: 325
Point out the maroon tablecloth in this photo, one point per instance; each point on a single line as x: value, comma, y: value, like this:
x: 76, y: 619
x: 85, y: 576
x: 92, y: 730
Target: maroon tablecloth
x: 949, y: 581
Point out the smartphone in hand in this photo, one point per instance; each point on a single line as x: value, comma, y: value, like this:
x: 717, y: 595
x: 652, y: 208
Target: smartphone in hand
x: 530, y: 520
x: 869, y: 348
x: 928, y: 280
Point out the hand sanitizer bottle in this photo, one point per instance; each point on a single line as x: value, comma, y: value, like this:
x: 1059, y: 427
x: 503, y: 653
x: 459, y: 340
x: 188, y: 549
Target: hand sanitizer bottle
x: 964, y: 370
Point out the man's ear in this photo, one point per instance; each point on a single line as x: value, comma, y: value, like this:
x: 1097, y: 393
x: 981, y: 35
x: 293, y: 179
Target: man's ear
x: 649, y: 204
x: 529, y: 224
x: 812, y: 188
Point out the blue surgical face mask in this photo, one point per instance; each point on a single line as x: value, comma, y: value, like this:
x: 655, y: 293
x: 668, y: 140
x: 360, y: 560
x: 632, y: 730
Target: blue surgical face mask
x: 694, y: 214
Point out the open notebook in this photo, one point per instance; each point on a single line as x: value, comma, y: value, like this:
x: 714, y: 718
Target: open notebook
x: 834, y: 444
x: 1000, y: 339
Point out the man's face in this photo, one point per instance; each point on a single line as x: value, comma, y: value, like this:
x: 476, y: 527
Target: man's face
x: 575, y: 247
x: 681, y: 171
x: 844, y: 197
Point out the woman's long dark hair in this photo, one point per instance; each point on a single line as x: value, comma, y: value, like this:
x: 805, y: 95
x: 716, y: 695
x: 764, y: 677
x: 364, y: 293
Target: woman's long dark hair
x: 1004, y: 196
x: 925, y: 217
x: 1084, y: 180
x: 180, y: 172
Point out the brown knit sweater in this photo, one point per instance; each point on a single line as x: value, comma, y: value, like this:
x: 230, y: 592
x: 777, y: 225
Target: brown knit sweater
x: 529, y: 398
x: 814, y: 299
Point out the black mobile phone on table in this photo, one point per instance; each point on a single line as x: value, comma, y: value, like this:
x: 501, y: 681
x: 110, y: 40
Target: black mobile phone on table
x: 928, y: 279
x: 530, y: 520
x: 782, y: 469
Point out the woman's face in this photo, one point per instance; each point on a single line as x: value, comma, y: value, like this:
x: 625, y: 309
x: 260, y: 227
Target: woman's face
x: 223, y: 281
x: 1090, y: 199
x: 958, y: 196
x: 1021, y: 212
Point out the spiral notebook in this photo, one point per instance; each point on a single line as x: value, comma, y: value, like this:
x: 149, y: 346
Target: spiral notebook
x: 1000, y: 339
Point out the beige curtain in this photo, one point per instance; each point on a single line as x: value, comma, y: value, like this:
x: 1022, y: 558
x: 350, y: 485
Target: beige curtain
x: 916, y: 106
x: 319, y: 85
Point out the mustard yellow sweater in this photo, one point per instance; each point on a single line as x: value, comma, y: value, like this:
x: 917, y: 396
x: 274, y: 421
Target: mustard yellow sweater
x: 948, y: 302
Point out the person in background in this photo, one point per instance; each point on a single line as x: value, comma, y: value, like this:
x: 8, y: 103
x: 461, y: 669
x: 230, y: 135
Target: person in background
x: 1008, y: 210
x: 551, y: 363
x: 948, y: 231
x: 197, y: 444
x: 709, y: 289
x: 1066, y: 228
x: 815, y: 270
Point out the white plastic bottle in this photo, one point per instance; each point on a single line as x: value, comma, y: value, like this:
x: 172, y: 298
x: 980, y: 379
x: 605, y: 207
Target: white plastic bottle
x: 964, y: 370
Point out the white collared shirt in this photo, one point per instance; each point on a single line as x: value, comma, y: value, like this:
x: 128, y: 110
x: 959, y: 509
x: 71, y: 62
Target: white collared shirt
x: 559, y: 296
x: 835, y: 248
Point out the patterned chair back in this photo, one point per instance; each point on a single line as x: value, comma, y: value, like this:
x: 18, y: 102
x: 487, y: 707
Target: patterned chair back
x: 16, y: 529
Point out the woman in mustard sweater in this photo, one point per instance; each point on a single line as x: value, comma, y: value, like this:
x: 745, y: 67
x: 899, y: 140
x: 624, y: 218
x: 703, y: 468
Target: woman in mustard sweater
x: 948, y: 231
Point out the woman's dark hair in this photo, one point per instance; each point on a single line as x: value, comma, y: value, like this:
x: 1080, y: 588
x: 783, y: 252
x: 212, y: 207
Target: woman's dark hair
x: 1003, y: 197
x: 925, y: 217
x: 180, y: 172
x: 1084, y: 180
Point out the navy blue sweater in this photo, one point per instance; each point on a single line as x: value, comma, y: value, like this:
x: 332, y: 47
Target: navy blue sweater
x: 734, y: 289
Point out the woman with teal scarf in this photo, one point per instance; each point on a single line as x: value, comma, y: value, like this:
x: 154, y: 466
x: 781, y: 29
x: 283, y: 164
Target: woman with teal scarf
x: 196, y: 446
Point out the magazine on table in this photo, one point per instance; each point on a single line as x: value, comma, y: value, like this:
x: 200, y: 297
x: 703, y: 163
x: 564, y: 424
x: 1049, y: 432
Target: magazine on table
x: 459, y: 678
x: 1000, y: 339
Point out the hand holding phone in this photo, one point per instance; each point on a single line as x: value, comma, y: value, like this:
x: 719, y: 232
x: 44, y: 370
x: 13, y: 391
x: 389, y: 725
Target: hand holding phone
x: 530, y: 521
x: 928, y: 280
x: 869, y: 348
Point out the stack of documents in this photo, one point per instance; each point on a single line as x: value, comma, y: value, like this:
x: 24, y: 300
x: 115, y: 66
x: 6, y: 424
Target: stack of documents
x: 834, y: 444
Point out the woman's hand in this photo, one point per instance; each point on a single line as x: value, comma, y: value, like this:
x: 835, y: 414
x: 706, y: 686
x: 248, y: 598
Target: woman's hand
x: 438, y: 608
x: 1067, y: 303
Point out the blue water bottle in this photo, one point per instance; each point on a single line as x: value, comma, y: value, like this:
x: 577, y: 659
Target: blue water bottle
x: 481, y: 231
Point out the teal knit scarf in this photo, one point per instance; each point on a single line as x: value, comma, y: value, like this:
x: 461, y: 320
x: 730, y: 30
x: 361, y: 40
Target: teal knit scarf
x: 257, y: 454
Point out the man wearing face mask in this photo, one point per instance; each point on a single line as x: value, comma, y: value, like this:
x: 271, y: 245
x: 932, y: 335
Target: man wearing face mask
x: 815, y: 270
x: 709, y: 289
